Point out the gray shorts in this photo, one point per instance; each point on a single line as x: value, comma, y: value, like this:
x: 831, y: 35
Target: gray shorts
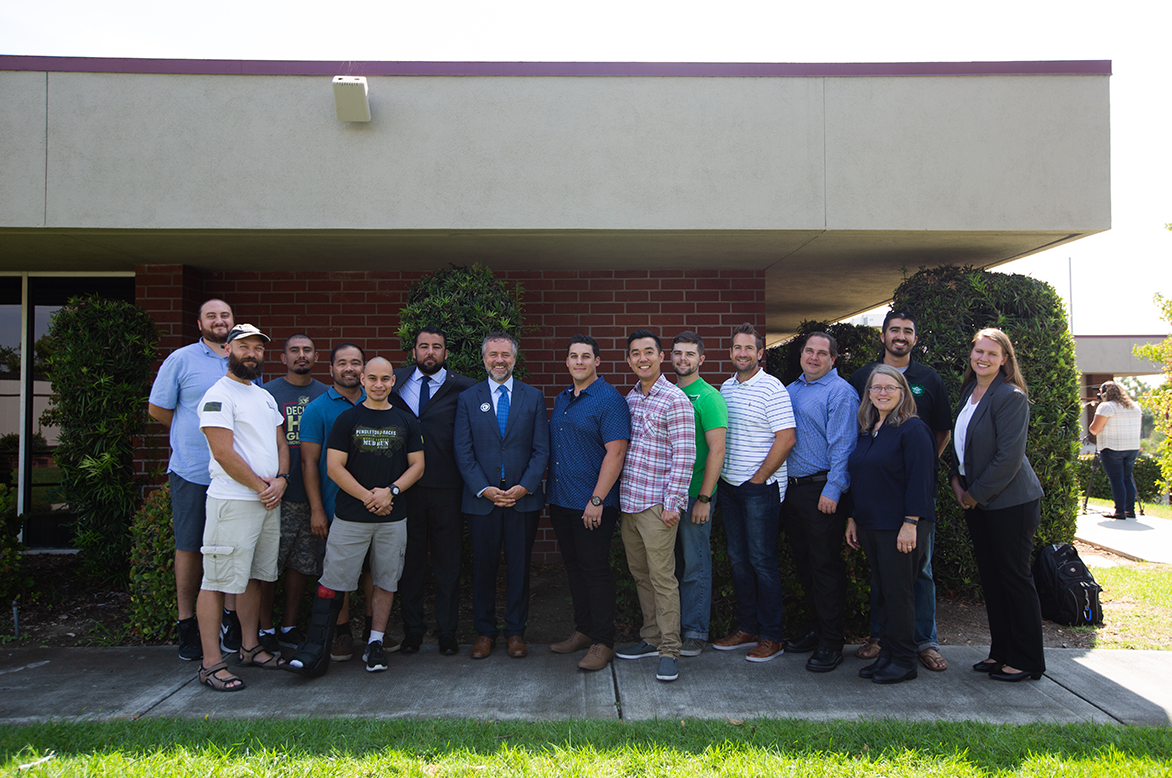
x: 300, y: 548
x: 188, y: 512
x: 347, y: 546
x: 240, y: 542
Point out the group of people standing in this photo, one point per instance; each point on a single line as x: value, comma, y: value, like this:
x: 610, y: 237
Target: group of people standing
x: 369, y: 481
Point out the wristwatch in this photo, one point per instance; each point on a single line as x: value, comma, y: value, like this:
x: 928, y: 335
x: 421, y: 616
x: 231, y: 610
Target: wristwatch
x: 395, y: 490
x: 283, y: 475
x: 595, y: 500
x: 703, y: 498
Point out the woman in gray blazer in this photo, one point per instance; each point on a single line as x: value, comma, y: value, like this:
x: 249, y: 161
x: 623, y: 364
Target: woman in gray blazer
x: 1001, y: 496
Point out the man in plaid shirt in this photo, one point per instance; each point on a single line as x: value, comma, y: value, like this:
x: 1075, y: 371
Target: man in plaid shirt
x: 653, y: 495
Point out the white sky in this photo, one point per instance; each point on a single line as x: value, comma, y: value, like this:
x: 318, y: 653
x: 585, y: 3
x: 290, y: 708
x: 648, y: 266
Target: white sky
x: 1114, y: 274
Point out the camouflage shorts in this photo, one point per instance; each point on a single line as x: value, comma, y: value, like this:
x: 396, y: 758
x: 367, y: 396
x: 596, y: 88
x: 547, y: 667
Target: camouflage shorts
x: 300, y: 548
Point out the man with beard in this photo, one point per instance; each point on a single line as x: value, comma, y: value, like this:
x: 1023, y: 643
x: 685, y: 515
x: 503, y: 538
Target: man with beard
x: 434, y: 522
x: 898, y: 337
x: 174, y: 402
x: 502, y: 448
x: 249, y: 466
x: 346, y: 363
x: 300, y: 554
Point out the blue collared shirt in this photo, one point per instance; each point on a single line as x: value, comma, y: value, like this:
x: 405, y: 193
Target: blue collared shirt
x: 826, y: 412
x: 410, y: 389
x: 316, y: 422
x: 182, y: 381
x: 579, y: 431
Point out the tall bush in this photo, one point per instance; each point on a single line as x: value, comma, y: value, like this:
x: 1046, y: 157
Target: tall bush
x: 12, y: 577
x: 467, y: 303
x: 152, y: 568
x: 951, y: 304
x: 100, y: 354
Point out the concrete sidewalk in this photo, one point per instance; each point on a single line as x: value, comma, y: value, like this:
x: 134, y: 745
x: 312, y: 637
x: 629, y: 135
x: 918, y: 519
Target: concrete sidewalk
x: 61, y: 684
x: 1146, y: 538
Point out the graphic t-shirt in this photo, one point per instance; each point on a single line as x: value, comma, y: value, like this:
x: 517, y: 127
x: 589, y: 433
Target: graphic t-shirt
x: 376, y: 444
x: 291, y: 401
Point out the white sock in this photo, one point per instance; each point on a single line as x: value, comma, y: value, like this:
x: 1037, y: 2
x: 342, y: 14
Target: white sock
x: 376, y: 636
x: 287, y: 630
x: 269, y: 631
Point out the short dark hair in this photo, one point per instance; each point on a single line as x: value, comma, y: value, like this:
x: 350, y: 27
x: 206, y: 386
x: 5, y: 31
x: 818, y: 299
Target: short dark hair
x: 430, y: 329
x: 747, y: 329
x: 347, y: 344
x: 499, y: 336
x: 640, y: 334
x: 687, y: 336
x: 585, y: 340
x: 894, y: 314
x: 295, y: 336
x: 833, y: 344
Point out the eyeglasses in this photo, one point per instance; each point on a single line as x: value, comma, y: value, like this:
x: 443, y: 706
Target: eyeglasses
x: 877, y: 389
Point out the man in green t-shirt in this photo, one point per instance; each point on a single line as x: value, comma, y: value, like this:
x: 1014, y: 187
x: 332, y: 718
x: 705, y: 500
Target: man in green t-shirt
x: 693, y: 545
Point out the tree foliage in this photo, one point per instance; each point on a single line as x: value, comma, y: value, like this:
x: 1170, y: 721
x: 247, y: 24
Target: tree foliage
x: 1159, y: 400
x: 467, y: 303
x: 100, y: 355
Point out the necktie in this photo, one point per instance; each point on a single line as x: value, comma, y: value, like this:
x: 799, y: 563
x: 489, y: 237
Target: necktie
x: 502, y: 409
x: 424, y: 393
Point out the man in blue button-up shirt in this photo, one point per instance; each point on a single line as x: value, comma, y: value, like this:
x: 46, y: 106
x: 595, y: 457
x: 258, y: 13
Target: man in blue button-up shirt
x: 815, y: 509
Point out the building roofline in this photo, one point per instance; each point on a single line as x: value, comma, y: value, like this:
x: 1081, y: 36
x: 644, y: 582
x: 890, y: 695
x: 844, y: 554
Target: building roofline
x: 613, y: 69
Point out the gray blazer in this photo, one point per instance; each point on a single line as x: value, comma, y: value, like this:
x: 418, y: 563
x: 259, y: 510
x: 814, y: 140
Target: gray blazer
x: 997, y: 469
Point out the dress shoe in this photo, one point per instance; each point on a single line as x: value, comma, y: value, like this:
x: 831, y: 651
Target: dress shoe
x: 447, y: 645
x: 411, y: 643
x: 517, y: 647
x: 573, y: 644
x: 894, y: 673
x: 482, y: 647
x: 824, y: 660
x: 1021, y: 675
x: 987, y: 666
x: 803, y: 645
x: 870, y: 670
x: 738, y: 639
x: 597, y: 657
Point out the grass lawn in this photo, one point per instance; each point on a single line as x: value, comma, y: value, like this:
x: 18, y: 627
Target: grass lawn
x: 1137, y: 606
x: 310, y: 747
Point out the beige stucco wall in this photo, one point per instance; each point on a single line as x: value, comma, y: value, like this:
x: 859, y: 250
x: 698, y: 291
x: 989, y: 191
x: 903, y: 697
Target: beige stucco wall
x: 980, y: 153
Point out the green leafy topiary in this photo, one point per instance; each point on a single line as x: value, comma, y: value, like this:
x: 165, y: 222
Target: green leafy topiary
x: 12, y: 577
x: 100, y: 356
x: 467, y: 303
x: 152, y: 568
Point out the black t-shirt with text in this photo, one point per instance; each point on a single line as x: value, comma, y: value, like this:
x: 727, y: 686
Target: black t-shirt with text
x: 376, y: 444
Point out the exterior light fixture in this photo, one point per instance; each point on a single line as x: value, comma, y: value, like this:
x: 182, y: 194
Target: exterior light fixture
x: 351, y: 103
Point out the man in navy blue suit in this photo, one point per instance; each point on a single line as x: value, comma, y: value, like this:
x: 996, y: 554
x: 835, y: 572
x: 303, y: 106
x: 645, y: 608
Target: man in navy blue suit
x: 502, y: 447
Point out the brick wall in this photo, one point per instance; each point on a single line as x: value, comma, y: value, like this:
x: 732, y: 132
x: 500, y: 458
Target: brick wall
x: 362, y: 306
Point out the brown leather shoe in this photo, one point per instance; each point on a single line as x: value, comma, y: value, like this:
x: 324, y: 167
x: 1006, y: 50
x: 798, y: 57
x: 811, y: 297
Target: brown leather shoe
x: 738, y: 639
x: 517, y: 647
x: 597, y: 657
x: 576, y: 642
x: 482, y: 647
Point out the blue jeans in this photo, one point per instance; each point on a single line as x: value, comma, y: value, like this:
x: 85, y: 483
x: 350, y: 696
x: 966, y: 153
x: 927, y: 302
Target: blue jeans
x: 751, y: 514
x: 924, y: 591
x: 1118, y: 466
x: 694, y: 572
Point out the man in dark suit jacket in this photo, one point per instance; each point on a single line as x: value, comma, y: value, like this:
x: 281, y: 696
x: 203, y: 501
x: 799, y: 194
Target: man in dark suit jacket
x: 434, y: 521
x: 502, y: 448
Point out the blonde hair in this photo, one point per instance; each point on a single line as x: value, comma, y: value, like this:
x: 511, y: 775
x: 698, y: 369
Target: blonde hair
x: 1113, y: 392
x: 869, y: 414
x: 1009, y: 370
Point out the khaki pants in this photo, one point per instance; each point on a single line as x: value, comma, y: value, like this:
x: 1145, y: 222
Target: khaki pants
x: 651, y: 556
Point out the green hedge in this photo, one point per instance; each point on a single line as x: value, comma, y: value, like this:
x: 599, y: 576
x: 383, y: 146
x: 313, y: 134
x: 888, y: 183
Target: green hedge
x: 152, y: 568
x: 1147, y: 479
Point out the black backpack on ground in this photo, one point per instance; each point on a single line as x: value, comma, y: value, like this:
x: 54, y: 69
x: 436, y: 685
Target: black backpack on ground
x: 1066, y: 588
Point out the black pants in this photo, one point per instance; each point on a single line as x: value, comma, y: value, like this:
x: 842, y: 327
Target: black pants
x: 1003, y: 544
x: 817, y: 540
x: 511, y: 531
x: 435, y: 524
x: 894, y: 574
x: 586, y: 553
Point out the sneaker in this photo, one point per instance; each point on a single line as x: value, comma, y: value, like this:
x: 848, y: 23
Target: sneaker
x: 230, y: 634
x: 669, y: 669
x: 640, y: 650
x: 738, y: 639
x: 375, y: 658
x: 692, y: 647
x: 390, y: 645
x: 268, y: 642
x: 190, y: 647
x: 291, y: 638
x: 343, y: 648
x: 765, y: 650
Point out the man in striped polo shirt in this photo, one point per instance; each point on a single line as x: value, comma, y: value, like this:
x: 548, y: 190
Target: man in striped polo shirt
x: 752, y: 484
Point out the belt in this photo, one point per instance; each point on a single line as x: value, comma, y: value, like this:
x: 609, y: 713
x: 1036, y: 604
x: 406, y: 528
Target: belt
x: 817, y: 478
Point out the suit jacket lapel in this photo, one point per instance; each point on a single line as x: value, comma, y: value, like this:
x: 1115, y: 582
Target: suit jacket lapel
x: 485, y: 393
x: 981, y: 410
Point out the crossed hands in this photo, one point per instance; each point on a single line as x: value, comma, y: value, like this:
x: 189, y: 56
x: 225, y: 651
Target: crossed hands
x: 505, y: 499
x: 379, y: 501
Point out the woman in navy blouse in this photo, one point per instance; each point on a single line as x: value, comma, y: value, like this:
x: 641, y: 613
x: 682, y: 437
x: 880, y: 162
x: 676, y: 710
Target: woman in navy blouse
x: 893, y: 480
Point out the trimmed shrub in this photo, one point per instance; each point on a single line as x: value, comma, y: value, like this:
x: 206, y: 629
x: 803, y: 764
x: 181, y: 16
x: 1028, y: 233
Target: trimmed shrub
x: 100, y: 356
x: 152, y: 568
x: 12, y: 577
x: 951, y: 304
x: 1147, y: 479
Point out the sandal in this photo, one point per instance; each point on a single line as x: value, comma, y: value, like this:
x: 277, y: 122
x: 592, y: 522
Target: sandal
x: 932, y: 660
x: 208, y: 677
x: 869, y: 650
x: 247, y: 658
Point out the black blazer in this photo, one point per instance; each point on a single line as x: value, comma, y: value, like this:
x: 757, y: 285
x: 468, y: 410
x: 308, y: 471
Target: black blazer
x: 437, y: 421
x: 996, y: 467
